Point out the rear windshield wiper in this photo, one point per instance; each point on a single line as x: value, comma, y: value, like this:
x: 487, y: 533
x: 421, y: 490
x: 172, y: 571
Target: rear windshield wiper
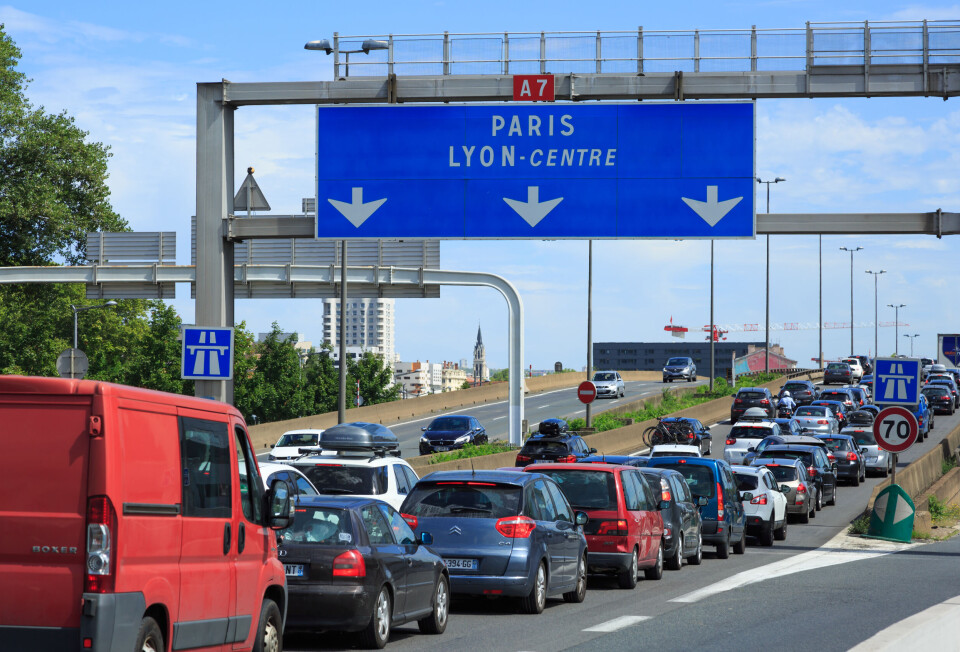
x: 461, y: 510
x: 334, y: 490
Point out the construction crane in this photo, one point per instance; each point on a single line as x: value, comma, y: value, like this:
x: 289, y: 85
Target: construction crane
x: 797, y: 326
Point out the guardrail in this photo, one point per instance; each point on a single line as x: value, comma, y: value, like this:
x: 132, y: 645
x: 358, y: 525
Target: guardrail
x: 643, y: 51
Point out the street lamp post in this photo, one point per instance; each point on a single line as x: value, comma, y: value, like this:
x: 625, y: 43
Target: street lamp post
x: 766, y: 354
x: 78, y: 309
x: 852, y: 251
x: 324, y: 45
x: 876, y: 351
x: 911, y: 341
x: 896, y: 326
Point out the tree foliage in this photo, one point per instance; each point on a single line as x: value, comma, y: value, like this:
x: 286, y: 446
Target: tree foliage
x: 375, y: 378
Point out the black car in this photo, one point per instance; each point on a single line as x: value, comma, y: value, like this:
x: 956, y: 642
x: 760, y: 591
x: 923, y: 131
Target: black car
x: 837, y: 372
x: 864, y: 418
x: 801, y: 391
x: 618, y: 460
x: 697, y: 434
x: 553, y: 446
x: 682, y: 526
x: 748, y: 397
x: 803, y: 439
x: 818, y: 466
x: 939, y: 398
x: 353, y: 564
x: 850, y: 460
x: 843, y: 395
x: 451, y: 431
x: 947, y: 381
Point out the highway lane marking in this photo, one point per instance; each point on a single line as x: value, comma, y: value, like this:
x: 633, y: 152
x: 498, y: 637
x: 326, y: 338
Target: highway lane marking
x: 936, y: 628
x: 617, y: 623
x: 841, y: 549
x: 502, y: 416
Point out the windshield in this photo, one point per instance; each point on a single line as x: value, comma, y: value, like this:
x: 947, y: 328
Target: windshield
x: 838, y: 365
x: 320, y: 525
x: 539, y: 447
x: 837, y: 444
x: 803, y: 456
x: 811, y: 412
x: 934, y: 391
x: 750, y: 395
x: 462, y: 500
x: 698, y: 478
x: 347, y: 480
x: 450, y: 423
x: 784, y: 473
x: 746, y: 432
x: 864, y: 438
x: 586, y: 489
x: 796, y: 387
x: 298, y: 439
x: 677, y: 362
x: 604, y: 376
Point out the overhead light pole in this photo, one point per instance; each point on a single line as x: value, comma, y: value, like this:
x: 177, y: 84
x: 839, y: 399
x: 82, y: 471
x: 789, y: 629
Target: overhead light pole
x: 876, y: 351
x: 852, y: 251
x: 76, y: 310
x: 324, y: 46
x: 896, y: 326
x: 766, y: 354
x: 911, y: 341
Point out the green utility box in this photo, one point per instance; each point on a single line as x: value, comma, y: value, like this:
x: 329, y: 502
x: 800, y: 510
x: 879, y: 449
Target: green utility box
x: 892, y: 516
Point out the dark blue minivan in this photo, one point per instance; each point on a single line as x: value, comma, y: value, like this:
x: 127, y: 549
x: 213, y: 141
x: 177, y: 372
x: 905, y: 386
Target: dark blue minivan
x: 722, y: 516
x: 502, y: 533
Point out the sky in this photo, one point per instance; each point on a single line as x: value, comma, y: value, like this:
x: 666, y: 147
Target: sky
x: 128, y: 72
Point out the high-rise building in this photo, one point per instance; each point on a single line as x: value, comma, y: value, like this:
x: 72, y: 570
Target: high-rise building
x: 370, y: 326
x: 480, y: 370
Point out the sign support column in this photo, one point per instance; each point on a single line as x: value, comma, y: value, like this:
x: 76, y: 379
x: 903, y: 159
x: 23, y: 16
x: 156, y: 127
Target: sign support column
x: 589, y: 317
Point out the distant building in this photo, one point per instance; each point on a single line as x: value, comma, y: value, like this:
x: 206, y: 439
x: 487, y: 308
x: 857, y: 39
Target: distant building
x: 453, y: 377
x: 370, y: 326
x: 651, y: 356
x: 413, y: 378
x: 480, y: 370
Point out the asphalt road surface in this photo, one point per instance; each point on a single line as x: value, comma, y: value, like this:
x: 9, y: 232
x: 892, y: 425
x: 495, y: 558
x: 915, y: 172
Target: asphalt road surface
x: 800, y: 594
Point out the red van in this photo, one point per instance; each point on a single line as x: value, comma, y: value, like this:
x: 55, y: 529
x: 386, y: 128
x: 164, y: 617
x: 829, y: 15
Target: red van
x: 625, y: 530
x: 139, y: 522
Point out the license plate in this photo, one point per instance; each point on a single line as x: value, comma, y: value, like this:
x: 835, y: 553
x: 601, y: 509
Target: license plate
x: 461, y: 564
x: 293, y: 570
x: 441, y: 448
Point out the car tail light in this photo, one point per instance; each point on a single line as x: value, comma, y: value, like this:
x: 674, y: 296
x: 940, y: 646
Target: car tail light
x: 516, y: 527
x: 567, y: 458
x: 801, y: 488
x: 738, y: 401
x: 689, y: 435
x: 851, y: 457
x: 731, y: 441
x: 523, y: 458
x: 812, y: 472
x: 759, y: 500
x: 665, y: 490
x: 764, y: 401
x: 101, y: 545
x: 411, y: 520
x: 822, y: 422
x: 719, y: 502
x: 831, y: 457
x: 944, y: 398
x: 613, y: 528
x: 349, y: 564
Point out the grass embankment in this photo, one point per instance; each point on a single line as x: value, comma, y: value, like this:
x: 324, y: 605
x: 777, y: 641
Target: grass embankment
x: 469, y: 450
x: 670, y: 403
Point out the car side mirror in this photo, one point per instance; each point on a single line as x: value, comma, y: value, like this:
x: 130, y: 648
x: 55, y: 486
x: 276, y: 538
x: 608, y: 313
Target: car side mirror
x: 748, y: 496
x: 664, y: 505
x: 706, y: 434
x: 752, y: 449
x: 702, y: 501
x: 581, y: 518
x: 425, y: 539
x: 423, y: 428
x: 784, y: 488
x: 592, y: 450
x: 279, y: 506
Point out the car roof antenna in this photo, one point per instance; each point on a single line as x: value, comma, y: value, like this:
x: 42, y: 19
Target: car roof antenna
x: 473, y: 471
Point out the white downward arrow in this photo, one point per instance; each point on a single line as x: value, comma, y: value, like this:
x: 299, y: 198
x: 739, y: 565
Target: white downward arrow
x: 533, y: 210
x: 356, y: 211
x: 712, y: 211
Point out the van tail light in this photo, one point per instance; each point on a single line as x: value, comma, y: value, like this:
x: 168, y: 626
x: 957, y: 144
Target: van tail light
x: 759, y: 500
x: 516, y: 527
x: 411, y: 520
x: 851, y: 457
x: 349, y: 564
x: 101, y: 545
x: 612, y: 528
x: 731, y: 441
x: 523, y: 458
x: 719, y: 502
x: 567, y: 458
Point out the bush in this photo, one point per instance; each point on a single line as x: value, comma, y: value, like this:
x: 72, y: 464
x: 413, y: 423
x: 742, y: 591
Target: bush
x: 470, y: 450
x: 938, y: 508
x: 860, y: 525
x: 947, y: 464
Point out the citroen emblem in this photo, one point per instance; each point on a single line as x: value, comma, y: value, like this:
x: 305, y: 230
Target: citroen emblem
x: 282, y: 553
x: 456, y: 530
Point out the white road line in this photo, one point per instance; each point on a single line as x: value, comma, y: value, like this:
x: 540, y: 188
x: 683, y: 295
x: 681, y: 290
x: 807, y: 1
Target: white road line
x: 617, y: 623
x: 502, y: 416
x: 936, y: 628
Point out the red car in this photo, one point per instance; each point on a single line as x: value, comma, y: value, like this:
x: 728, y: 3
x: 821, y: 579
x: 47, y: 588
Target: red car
x: 625, y: 530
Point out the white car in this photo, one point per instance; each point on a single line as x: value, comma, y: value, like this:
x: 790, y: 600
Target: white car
x: 875, y: 458
x: 385, y: 477
x: 287, y: 447
x: 675, y: 450
x: 764, y: 505
x: 856, y: 369
x: 746, y: 435
x: 301, y: 485
x: 608, y: 383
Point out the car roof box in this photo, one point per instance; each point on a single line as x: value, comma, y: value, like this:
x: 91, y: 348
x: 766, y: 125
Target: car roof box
x: 553, y: 427
x: 359, y: 436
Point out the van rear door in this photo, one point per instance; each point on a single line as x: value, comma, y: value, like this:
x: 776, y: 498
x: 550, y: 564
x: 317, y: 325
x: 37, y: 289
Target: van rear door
x: 43, y: 512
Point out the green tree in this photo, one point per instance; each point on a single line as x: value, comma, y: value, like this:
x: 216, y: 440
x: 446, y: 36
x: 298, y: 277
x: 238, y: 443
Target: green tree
x: 277, y: 389
x: 500, y: 374
x: 374, y: 376
x: 156, y: 356
x: 323, y: 380
x: 466, y: 385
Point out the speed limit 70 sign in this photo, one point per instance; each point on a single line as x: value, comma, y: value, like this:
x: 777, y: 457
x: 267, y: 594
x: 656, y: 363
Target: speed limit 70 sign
x: 895, y: 429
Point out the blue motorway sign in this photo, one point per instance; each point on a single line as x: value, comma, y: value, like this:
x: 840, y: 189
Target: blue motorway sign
x: 679, y: 170
x: 896, y: 381
x: 207, y: 353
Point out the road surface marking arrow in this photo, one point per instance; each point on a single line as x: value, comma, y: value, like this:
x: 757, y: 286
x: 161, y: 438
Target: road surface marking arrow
x: 356, y: 211
x: 533, y: 210
x: 712, y: 211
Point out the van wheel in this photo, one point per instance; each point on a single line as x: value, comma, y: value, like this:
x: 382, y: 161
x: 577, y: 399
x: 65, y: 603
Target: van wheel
x: 740, y: 546
x: 270, y: 632
x: 377, y: 632
x: 150, y: 638
x: 723, y: 549
x: 628, y: 578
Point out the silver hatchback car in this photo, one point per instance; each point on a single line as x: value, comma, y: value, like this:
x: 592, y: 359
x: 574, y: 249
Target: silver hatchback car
x: 817, y: 419
x: 609, y: 384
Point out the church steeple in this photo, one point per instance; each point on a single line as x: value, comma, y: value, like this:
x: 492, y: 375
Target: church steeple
x: 480, y: 370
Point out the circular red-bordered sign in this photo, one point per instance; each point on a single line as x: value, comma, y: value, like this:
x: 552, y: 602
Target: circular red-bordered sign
x: 586, y: 392
x: 895, y: 429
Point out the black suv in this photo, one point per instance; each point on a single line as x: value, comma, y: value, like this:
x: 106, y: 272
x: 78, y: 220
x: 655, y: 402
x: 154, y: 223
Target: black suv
x: 803, y: 392
x: 554, y: 443
x: 842, y: 394
x: 749, y: 397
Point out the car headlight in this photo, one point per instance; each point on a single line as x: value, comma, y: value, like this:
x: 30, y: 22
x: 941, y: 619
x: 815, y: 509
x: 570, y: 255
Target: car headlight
x: 686, y: 369
x: 271, y: 457
x: 462, y: 439
x: 424, y: 440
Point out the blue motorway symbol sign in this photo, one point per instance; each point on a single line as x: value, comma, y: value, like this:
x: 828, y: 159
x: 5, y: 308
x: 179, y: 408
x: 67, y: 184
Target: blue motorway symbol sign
x: 679, y: 170
x: 950, y: 348
x: 896, y: 381
x: 207, y: 353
